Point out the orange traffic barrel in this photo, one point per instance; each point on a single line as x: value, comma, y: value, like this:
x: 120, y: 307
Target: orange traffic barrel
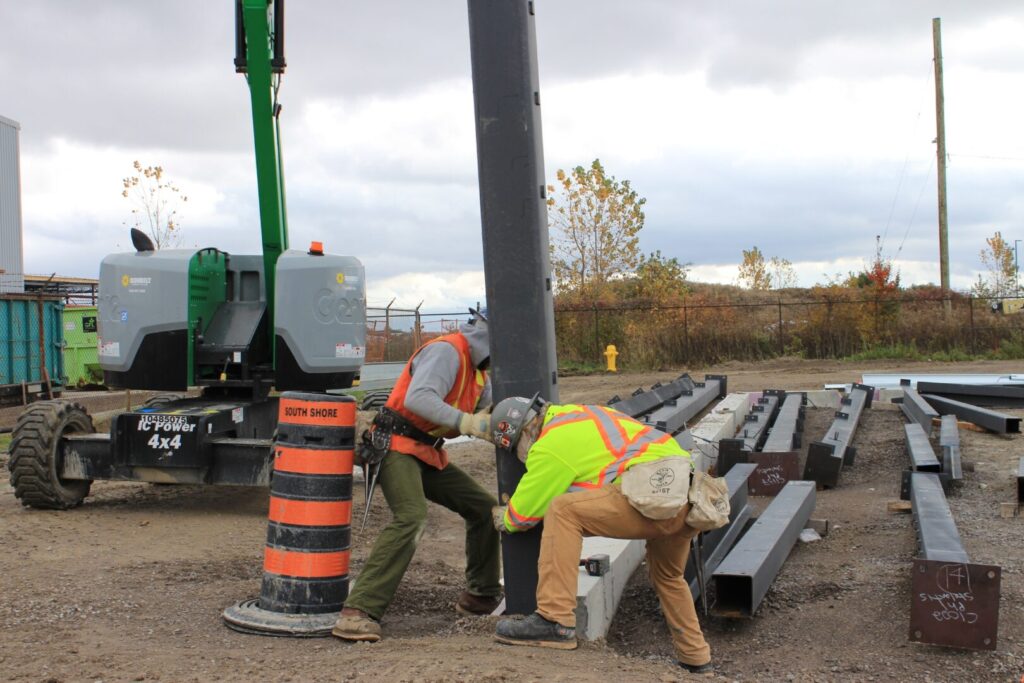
x: 306, y: 558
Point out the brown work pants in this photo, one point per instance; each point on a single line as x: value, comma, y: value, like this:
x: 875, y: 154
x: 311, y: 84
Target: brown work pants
x: 606, y: 512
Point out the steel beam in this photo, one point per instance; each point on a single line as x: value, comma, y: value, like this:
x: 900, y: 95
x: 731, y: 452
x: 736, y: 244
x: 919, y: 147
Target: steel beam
x: 917, y: 409
x: 825, y: 458
x: 987, y: 395
x: 750, y: 435
x: 1000, y: 423
x: 746, y: 573
x: 1020, y: 482
x: 949, y: 441
x: 922, y: 457
x: 517, y: 268
x: 643, y: 402
x: 953, y: 601
x: 718, y: 543
x: 675, y: 413
x: 785, y: 433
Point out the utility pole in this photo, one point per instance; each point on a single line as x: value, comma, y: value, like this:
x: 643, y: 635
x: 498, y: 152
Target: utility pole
x: 940, y: 139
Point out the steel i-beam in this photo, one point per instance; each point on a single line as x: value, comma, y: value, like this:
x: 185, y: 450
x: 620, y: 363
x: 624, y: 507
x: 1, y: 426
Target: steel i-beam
x: 917, y: 410
x: 954, y: 602
x: 987, y: 395
x: 1000, y: 423
x: 785, y: 433
x: 744, y: 576
x: 825, y: 458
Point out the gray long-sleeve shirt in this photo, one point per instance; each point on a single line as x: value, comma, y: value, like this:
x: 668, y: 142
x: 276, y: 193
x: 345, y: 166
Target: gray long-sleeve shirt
x: 435, y: 369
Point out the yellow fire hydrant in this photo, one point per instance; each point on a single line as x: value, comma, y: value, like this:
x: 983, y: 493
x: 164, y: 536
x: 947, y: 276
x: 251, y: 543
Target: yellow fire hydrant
x: 610, y: 353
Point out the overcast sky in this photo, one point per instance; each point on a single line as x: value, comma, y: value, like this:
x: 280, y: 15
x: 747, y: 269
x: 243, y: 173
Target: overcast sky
x: 803, y: 127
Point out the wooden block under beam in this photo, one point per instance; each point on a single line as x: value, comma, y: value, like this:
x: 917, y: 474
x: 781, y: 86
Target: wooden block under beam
x: 1009, y: 510
x: 899, y: 506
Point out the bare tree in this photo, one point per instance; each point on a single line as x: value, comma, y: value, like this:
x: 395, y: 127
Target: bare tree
x: 155, y: 201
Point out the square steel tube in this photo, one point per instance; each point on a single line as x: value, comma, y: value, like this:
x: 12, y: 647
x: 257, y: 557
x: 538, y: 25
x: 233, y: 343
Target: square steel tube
x: 788, y: 423
x: 746, y: 573
x: 917, y: 409
x: 989, y: 419
x: 949, y: 441
x: 826, y: 458
x: 922, y: 457
x: 937, y: 535
x: 718, y: 543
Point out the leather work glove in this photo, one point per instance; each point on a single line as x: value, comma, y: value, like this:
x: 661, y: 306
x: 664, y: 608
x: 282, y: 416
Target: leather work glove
x: 498, y: 517
x: 476, y: 424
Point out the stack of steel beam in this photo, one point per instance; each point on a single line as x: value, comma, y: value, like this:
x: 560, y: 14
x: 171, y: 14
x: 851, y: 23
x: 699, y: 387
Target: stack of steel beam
x: 987, y: 395
x: 1001, y: 423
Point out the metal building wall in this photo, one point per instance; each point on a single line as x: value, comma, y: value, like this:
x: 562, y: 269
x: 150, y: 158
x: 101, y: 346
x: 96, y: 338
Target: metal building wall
x: 11, y: 257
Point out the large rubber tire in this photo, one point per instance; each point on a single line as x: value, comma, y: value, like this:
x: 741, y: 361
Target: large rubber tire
x: 157, y: 400
x: 375, y: 399
x: 36, y: 458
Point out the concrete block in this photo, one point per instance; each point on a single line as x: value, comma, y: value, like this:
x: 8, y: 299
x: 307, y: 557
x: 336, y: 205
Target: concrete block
x: 597, y: 597
x: 720, y: 423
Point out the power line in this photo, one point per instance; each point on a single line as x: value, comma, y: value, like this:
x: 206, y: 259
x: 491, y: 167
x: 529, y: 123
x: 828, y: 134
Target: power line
x: 983, y: 156
x: 906, y: 159
x: 924, y: 184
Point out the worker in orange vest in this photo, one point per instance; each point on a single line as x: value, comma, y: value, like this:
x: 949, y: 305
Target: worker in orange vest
x: 593, y: 471
x: 443, y: 391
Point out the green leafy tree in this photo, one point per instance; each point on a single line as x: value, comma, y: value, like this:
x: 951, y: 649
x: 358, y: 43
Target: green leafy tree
x: 154, y: 200
x: 1001, y: 277
x: 595, y: 220
x: 657, y: 278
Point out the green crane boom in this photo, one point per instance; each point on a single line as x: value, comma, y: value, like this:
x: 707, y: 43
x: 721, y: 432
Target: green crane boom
x: 259, y: 53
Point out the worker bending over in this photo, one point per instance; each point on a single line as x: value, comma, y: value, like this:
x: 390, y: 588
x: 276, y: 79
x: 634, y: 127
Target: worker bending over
x: 437, y: 396
x: 575, y: 457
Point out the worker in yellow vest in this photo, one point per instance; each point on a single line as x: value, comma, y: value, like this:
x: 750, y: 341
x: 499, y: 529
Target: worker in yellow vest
x: 576, y: 457
x: 443, y: 391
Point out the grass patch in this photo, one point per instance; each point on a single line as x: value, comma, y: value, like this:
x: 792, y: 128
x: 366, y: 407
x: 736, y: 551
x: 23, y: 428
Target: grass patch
x: 5, y: 442
x: 910, y: 352
x: 575, y: 368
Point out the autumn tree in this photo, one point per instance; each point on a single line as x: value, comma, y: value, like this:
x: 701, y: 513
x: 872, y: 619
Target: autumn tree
x: 656, y: 278
x: 998, y: 259
x: 154, y: 200
x: 595, y: 220
x: 753, y: 272
x: 781, y: 273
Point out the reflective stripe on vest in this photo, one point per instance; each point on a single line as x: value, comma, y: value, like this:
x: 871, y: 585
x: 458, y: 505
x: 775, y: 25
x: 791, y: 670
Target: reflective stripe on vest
x: 621, y: 447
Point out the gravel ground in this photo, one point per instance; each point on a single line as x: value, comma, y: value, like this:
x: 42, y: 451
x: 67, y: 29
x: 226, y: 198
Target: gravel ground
x: 130, y: 586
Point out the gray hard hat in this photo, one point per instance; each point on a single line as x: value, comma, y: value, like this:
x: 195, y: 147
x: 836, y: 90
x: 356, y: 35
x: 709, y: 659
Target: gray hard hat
x: 509, y: 416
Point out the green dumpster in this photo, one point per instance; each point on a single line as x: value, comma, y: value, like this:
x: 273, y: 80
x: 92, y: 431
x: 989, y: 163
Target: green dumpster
x: 81, y: 362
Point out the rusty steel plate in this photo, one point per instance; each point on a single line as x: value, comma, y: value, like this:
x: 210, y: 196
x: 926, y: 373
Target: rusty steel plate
x: 956, y: 605
x: 773, y: 471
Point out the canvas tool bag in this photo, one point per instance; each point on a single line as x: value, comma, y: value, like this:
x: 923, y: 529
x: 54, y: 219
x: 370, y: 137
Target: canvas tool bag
x: 658, y: 489
x: 709, y: 502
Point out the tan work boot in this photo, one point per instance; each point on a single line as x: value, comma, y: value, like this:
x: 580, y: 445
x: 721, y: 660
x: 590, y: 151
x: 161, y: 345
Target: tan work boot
x: 477, y: 605
x: 356, y: 625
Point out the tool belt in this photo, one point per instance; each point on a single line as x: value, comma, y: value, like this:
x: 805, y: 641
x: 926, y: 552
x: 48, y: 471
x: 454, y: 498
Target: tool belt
x: 377, y: 441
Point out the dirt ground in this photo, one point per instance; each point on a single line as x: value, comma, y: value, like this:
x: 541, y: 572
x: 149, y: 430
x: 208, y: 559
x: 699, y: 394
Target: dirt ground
x: 130, y: 586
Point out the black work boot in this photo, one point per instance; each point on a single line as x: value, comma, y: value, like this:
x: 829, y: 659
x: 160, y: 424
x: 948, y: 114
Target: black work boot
x: 537, y: 631
x: 698, y: 668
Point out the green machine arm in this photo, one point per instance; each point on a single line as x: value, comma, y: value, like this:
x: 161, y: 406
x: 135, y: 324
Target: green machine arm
x: 259, y: 53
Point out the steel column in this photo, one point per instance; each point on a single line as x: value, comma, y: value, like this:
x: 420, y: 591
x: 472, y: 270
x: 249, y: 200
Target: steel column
x: 949, y: 441
x: 513, y: 211
x: 917, y: 410
x: 718, y: 543
x: 922, y: 457
x: 825, y: 458
x: 746, y: 573
x: 785, y: 433
x: 675, y: 413
x: 643, y: 402
x: 989, y: 419
x: 750, y: 435
x: 1020, y: 482
x: 987, y: 395
x: 953, y: 601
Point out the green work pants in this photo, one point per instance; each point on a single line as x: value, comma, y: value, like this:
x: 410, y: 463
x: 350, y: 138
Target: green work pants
x: 407, y: 484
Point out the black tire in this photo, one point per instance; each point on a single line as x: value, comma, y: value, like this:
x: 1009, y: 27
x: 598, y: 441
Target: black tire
x: 157, y: 400
x: 372, y: 400
x: 36, y: 459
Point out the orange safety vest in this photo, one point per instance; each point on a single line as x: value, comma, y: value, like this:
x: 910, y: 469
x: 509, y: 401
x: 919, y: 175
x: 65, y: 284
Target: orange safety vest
x: 464, y: 394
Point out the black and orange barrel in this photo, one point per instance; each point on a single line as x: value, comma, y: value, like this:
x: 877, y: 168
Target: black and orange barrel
x: 306, y: 558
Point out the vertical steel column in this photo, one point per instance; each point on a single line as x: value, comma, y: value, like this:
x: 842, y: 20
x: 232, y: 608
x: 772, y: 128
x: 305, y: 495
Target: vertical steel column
x: 513, y: 210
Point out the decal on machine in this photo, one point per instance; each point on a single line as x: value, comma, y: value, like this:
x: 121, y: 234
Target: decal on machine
x: 110, y: 349
x: 349, y: 351
x: 166, y: 429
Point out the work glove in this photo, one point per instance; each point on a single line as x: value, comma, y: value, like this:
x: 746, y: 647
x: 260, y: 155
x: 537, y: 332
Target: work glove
x: 476, y: 424
x: 498, y: 517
